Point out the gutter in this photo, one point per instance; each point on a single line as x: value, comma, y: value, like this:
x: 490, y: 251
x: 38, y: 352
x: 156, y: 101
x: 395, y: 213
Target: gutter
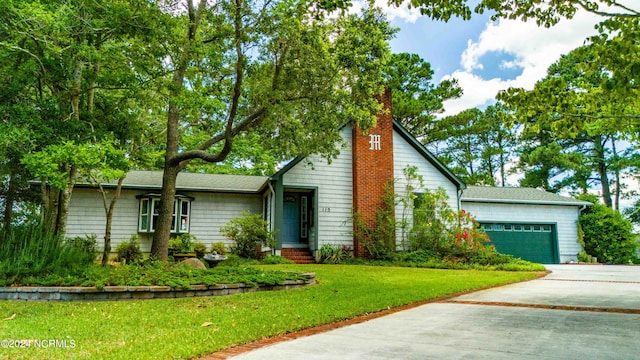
x: 535, y: 202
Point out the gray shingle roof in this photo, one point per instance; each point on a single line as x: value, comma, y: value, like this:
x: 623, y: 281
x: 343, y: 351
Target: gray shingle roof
x: 516, y: 195
x: 138, y: 179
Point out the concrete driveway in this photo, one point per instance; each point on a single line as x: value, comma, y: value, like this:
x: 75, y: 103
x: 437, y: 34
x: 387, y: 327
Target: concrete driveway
x: 576, y: 312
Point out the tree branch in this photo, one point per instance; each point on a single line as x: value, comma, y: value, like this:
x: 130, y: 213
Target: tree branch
x: 227, y: 136
x: 632, y: 13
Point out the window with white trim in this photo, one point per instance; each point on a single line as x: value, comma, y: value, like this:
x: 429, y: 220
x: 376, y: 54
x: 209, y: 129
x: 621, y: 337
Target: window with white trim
x: 150, y: 210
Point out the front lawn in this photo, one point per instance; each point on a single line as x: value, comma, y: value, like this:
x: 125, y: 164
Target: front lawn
x: 185, y: 328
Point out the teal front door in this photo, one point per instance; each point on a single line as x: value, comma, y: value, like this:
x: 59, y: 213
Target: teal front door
x: 291, y: 219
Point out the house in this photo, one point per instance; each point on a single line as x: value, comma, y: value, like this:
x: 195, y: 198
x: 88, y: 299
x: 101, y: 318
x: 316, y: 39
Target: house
x: 310, y: 201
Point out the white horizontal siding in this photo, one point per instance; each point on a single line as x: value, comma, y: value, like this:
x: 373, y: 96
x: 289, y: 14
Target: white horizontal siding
x: 404, y: 155
x: 209, y: 212
x: 565, y: 218
x: 335, y: 192
x: 87, y: 216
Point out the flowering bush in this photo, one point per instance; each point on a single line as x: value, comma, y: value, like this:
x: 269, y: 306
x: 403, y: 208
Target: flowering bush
x: 455, y: 236
x: 468, y: 241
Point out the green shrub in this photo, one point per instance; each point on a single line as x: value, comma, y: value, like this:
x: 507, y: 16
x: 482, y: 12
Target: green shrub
x: 276, y: 260
x: 85, y: 245
x: 248, y: 233
x: 219, y: 248
x: 129, y: 251
x: 234, y: 260
x: 432, y: 217
x: 182, y: 244
x: 608, y: 236
x: 492, y: 258
x: 416, y: 257
x: 333, y: 254
x: 30, y: 250
x: 200, y: 249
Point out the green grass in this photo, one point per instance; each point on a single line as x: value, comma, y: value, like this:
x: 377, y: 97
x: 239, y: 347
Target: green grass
x: 169, y: 329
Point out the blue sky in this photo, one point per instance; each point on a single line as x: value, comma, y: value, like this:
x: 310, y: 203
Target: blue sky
x: 438, y: 42
x: 485, y: 56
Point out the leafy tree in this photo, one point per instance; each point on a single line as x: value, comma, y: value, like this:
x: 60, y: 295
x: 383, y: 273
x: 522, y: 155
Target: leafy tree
x: 72, y: 85
x: 15, y: 192
x: 608, y: 236
x: 560, y: 140
x: 542, y: 159
x: 58, y: 167
x: 478, y: 145
x: 544, y: 13
x: 277, y: 69
x: 616, y: 47
x: 249, y: 157
x: 633, y: 213
x: 416, y: 101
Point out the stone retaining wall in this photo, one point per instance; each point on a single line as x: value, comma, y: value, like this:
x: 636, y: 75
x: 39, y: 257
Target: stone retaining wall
x: 69, y: 293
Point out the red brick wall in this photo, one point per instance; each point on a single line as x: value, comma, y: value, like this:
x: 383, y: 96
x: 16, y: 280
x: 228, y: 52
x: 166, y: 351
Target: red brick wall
x: 372, y: 168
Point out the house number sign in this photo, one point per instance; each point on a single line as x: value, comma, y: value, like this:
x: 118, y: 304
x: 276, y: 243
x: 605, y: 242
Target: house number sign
x: 325, y: 209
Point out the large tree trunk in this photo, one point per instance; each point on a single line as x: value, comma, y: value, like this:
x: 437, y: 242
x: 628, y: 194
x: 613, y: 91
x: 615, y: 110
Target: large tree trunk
x: 55, y: 205
x: 616, y: 167
x: 160, y: 244
x: 65, y: 201
x: 503, y: 175
x: 50, y: 200
x: 501, y: 146
x: 601, y: 168
x: 76, y: 89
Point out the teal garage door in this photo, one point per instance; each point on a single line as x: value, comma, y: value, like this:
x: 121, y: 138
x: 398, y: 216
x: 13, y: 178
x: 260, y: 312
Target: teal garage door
x: 531, y: 242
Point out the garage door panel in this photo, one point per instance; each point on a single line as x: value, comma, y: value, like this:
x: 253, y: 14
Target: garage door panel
x: 520, y: 240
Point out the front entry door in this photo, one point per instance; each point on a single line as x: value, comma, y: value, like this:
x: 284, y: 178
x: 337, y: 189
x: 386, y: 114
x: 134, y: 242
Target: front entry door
x: 291, y: 219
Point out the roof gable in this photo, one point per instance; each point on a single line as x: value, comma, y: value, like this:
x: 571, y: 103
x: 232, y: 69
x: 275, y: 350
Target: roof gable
x: 428, y: 155
x: 417, y: 145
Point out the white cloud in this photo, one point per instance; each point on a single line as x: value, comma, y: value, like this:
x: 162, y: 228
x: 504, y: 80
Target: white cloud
x: 532, y: 48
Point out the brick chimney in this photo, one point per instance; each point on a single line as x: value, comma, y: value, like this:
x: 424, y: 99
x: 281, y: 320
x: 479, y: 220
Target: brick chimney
x: 372, y: 166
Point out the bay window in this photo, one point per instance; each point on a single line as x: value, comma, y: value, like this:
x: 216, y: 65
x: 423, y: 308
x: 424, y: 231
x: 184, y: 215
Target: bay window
x: 150, y: 210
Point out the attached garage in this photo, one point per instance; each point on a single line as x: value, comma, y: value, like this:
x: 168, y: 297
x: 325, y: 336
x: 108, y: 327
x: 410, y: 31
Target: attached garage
x: 531, y: 224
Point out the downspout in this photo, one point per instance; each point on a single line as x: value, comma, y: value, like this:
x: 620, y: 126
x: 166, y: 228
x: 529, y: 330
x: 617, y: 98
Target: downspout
x: 459, y: 203
x: 272, y: 210
x: 271, y: 207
